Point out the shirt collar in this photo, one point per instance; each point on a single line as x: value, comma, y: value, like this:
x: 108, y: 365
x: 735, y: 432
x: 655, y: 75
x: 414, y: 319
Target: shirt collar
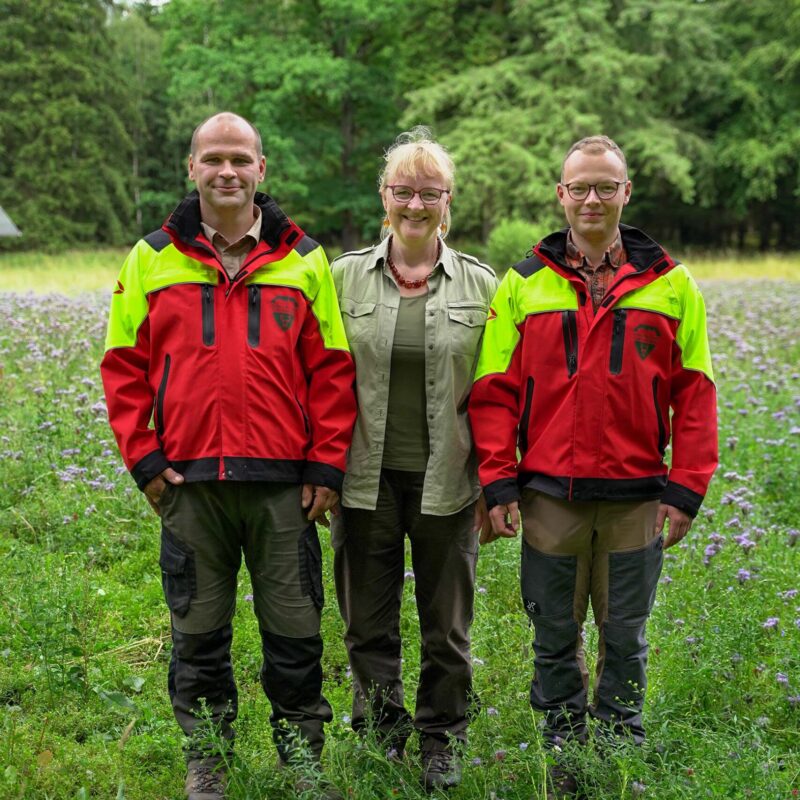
x: 445, y: 259
x: 254, y: 232
x: 614, y: 256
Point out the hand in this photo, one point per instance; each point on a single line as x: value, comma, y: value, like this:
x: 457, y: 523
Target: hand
x: 321, y: 499
x: 679, y: 523
x: 155, y: 488
x: 501, y: 526
x: 482, y: 521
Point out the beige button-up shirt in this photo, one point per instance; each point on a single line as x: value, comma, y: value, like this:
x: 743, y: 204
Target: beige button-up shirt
x: 459, y: 293
x: 233, y: 254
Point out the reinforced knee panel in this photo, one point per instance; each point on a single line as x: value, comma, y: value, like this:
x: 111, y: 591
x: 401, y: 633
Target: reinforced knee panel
x: 632, y: 582
x: 548, y: 590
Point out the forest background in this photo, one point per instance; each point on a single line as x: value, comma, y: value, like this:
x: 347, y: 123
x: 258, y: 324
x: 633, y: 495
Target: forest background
x: 98, y: 100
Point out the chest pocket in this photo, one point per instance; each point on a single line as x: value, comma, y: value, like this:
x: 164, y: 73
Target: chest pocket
x: 360, y: 323
x: 465, y: 323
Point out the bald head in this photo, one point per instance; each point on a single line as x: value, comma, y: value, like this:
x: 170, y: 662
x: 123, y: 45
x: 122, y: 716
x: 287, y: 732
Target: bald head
x: 227, y: 118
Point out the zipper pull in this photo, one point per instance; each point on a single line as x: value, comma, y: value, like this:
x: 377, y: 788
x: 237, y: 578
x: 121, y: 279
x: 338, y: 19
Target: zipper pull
x: 253, y: 291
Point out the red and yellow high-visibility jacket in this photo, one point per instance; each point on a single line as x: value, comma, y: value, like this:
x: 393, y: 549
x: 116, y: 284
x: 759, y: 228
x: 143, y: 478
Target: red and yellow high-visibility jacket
x: 586, y: 397
x: 249, y: 379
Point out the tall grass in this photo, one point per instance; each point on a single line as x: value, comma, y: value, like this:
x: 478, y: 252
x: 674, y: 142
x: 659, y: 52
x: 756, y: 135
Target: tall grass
x: 84, y: 634
x: 79, y: 271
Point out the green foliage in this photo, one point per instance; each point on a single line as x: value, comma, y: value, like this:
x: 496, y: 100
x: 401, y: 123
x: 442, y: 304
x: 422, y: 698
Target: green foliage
x: 510, y: 241
x: 98, y: 99
x: 64, y: 122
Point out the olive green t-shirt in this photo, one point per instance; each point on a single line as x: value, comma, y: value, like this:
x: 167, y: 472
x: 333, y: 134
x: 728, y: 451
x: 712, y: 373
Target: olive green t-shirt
x: 406, y: 445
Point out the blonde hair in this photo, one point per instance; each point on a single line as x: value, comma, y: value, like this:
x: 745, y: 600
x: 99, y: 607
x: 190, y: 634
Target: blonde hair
x: 414, y: 153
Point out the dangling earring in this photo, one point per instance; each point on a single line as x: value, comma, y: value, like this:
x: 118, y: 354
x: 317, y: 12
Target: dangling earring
x: 443, y: 228
x: 386, y: 222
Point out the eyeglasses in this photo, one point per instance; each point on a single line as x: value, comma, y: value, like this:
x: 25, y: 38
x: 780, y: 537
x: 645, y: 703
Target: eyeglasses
x: 429, y: 195
x: 605, y: 189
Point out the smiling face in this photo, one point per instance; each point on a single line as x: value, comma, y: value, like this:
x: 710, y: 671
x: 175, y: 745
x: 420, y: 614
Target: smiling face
x: 594, y: 220
x: 226, y: 167
x: 415, y: 222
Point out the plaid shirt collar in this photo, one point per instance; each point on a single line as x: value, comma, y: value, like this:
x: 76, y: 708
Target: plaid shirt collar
x: 614, y: 257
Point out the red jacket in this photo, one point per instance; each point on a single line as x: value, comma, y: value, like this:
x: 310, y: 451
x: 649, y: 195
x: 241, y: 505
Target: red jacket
x: 586, y: 397
x: 249, y: 379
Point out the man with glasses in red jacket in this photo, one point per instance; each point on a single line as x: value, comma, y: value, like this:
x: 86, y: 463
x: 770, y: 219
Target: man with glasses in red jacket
x: 590, y: 343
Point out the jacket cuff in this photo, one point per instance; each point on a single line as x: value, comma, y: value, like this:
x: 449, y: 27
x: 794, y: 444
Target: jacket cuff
x: 501, y: 493
x: 144, y: 470
x: 681, y: 497
x: 323, y: 475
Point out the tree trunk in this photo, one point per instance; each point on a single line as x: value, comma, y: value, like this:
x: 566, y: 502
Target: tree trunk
x: 348, y: 176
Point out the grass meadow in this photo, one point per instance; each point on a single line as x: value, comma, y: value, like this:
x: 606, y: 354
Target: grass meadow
x: 84, y: 634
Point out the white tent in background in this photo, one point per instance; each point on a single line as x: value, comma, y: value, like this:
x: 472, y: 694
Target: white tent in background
x: 7, y: 227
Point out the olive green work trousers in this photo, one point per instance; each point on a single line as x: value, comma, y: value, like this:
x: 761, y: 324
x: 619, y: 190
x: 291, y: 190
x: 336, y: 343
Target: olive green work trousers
x: 206, y: 527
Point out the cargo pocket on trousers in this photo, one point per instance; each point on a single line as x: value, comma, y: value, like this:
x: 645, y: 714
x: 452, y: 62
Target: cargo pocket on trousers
x: 548, y: 584
x: 310, y: 558
x: 177, y: 573
x: 632, y: 582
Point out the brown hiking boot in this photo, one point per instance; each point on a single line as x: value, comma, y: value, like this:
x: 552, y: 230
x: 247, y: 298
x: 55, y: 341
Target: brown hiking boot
x: 441, y: 769
x: 563, y: 783
x: 206, y: 779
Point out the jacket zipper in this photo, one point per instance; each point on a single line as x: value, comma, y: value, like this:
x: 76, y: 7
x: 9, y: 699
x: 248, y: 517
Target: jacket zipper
x: 617, y: 340
x: 525, y: 419
x: 569, y: 326
x: 162, y: 391
x: 662, y: 430
x: 208, y: 314
x: 254, y: 316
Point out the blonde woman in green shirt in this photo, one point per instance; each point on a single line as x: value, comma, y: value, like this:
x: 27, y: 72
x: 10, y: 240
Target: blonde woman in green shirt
x: 414, y: 312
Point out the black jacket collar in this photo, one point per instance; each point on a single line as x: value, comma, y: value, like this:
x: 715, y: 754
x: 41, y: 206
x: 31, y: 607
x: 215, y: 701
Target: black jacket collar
x: 185, y: 219
x: 642, y: 251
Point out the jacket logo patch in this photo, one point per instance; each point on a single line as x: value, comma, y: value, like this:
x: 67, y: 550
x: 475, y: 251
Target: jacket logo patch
x: 646, y: 340
x: 120, y: 288
x: 531, y: 607
x: 283, y: 310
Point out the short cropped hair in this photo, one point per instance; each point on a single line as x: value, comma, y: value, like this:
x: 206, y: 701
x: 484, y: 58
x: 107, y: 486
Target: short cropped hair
x: 230, y: 115
x: 414, y: 153
x: 594, y: 145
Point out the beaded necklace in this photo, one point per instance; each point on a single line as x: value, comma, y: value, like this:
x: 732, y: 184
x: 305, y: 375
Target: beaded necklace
x: 407, y: 284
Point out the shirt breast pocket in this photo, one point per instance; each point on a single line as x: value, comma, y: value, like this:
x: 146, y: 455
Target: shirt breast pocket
x: 360, y: 320
x: 465, y: 326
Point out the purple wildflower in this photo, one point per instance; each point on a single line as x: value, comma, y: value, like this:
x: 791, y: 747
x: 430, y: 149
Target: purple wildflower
x: 770, y: 624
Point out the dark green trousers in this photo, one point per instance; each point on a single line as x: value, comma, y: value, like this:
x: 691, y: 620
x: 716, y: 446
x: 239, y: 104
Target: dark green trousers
x: 369, y: 565
x: 206, y: 528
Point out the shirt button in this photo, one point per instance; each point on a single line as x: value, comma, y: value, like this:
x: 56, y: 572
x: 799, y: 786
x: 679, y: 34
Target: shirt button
x: 229, y: 473
x: 430, y: 347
